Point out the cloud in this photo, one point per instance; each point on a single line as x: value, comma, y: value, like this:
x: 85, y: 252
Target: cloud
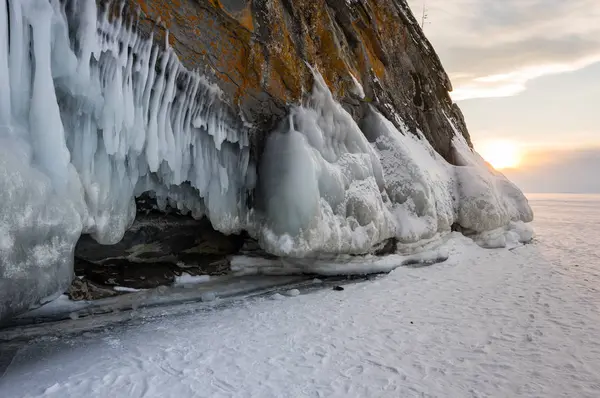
x: 493, y: 48
x: 573, y: 171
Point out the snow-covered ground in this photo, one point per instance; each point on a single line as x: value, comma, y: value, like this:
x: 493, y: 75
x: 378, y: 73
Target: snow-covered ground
x: 501, y: 323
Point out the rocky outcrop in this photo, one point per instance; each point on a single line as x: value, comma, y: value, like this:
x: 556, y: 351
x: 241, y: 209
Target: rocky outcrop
x: 151, y: 138
x: 259, y: 53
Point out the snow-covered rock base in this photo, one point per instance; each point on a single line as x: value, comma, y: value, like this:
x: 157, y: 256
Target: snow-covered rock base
x: 92, y: 115
x: 328, y: 186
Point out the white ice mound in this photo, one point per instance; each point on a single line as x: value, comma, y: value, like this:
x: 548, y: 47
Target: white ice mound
x: 419, y: 183
x: 329, y: 187
x: 488, y: 200
x: 320, y: 183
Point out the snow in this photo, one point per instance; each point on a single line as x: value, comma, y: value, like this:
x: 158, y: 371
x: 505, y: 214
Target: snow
x: 292, y: 293
x: 187, y: 280
x: 125, y: 289
x: 93, y: 114
x: 521, y: 322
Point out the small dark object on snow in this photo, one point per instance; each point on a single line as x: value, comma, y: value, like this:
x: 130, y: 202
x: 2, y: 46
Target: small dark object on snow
x: 338, y: 288
x: 411, y: 322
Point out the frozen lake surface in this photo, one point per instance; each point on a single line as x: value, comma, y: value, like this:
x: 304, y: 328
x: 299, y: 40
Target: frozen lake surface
x: 520, y: 322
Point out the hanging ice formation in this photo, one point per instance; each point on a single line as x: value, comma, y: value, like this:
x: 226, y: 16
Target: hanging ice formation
x: 93, y: 114
x: 124, y: 114
x: 346, y: 189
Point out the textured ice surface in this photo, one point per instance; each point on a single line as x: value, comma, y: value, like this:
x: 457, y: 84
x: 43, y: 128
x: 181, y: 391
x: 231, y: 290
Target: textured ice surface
x: 38, y: 232
x: 487, y: 199
x: 320, y: 183
x: 326, y: 186
x: 420, y: 184
x: 92, y: 114
x: 339, y: 265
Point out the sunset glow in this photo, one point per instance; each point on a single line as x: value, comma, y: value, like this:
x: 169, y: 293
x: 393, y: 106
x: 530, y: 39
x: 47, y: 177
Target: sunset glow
x: 501, y: 154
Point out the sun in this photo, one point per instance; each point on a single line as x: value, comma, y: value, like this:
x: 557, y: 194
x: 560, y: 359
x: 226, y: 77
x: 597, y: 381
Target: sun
x: 501, y: 154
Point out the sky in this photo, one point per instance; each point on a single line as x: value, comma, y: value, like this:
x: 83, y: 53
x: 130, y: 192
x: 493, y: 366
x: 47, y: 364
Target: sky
x: 526, y: 74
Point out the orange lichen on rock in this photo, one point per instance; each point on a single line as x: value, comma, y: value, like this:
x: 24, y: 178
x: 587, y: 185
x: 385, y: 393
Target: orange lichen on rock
x: 374, y: 61
x: 222, y: 38
x: 245, y: 18
x: 259, y: 53
x: 158, y: 10
x: 248, y: 67
x: 329, y: 56
x: 284, y: 68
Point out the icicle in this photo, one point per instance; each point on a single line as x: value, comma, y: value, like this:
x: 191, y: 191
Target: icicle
x: 118, y: 109
x: 46, y: 128
x: 5, y: 92
x: 19, y: 63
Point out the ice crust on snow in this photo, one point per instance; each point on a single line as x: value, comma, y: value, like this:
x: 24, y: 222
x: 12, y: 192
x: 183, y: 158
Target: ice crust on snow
x: 335, y: 266
x: 93, y: 114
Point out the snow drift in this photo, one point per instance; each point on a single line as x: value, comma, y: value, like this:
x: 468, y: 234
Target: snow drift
x: 92, y: 114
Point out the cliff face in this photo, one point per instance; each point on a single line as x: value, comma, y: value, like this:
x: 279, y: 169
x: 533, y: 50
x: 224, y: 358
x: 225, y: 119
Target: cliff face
x: 259, y: 54
x: 148, y: 138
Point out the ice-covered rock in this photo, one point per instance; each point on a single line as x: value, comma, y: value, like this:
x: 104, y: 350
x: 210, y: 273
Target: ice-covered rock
x: 420, y: 184
x: 326, y: 189
x: 320, y: 183
x: 94, y: 112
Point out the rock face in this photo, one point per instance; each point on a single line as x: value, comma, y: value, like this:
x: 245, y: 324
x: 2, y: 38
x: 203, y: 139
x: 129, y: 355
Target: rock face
x: 259, y: 52
x: 150, y: 138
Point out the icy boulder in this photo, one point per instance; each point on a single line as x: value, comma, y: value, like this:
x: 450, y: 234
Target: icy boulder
x: 487, y: 199
x: 320, y: 183
x: 419, y: 183
x: 329, y: 187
